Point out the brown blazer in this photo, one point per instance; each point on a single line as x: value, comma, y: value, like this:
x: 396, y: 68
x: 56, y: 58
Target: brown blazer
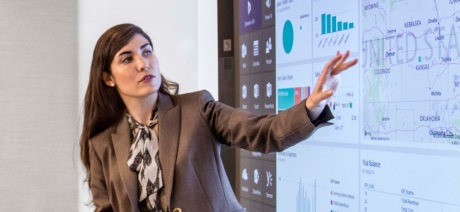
x: 191, y: 129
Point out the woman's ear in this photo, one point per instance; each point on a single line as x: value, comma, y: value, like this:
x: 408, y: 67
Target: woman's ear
x: 108, y: 79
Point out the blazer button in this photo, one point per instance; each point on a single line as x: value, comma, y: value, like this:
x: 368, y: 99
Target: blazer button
x: 177, y: 210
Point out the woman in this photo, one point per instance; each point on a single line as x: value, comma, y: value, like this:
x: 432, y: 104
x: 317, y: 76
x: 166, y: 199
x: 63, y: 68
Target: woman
x: 148, y: 149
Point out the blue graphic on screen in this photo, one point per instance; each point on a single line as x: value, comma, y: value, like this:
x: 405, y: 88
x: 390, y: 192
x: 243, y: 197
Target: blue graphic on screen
x: 288, y: 36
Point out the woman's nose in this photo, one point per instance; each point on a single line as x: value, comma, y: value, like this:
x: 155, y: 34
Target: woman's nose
x: 143, y: 64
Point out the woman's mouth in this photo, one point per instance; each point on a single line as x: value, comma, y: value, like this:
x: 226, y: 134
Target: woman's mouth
x: 147, y: 78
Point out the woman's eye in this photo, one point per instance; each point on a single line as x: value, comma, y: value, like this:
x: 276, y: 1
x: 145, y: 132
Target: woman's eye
x: 127, y: 60
x: 147, y: 52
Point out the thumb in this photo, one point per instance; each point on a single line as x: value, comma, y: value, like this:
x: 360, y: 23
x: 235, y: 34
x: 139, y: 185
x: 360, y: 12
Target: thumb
x: 318, y: 99
x: 325, y: 95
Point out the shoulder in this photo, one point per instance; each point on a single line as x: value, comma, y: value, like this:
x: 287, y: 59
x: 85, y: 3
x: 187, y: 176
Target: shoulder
x: 193, y: 97
x: 102, y: 139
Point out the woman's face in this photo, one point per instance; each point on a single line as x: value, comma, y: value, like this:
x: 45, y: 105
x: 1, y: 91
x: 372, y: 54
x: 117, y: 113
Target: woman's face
x: 135, y: 70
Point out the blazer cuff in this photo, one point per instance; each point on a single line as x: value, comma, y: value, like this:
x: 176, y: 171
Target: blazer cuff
x: 323, y: 118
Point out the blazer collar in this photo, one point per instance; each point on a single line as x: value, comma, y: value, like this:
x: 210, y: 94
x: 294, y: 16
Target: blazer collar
x: 169, y: 128
x: 122, y: 140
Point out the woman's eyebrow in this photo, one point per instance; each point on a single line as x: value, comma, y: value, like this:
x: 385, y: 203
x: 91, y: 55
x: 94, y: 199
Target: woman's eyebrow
x: 146, y: 44
x: 130, y: 52
x: 125, y: 52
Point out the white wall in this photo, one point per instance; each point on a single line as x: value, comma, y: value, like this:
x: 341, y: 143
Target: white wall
x: 38, y: 105
x: 184, y: 34
x: 207, y: 46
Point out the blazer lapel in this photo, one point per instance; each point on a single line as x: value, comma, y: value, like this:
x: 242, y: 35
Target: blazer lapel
x: 169, y: 129
x: 122, y: 144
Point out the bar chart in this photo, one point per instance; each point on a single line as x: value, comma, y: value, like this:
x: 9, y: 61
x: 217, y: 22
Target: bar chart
x: 330, y: 24
x: 305, y: 200
x: 335, y: 27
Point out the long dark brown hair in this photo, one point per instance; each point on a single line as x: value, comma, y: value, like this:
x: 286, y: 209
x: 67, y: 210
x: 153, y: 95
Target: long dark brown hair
x: 103, y: 106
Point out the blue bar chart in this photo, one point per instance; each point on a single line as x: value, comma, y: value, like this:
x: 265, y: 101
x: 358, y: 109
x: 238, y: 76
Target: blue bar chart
x: 330, y: 24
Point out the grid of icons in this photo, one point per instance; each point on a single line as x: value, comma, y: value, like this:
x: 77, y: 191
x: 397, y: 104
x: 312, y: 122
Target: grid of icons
x: 257, y: 95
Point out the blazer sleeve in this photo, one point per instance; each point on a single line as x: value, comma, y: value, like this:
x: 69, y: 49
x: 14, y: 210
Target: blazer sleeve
x: 262, y: 133
x: 97, y: 182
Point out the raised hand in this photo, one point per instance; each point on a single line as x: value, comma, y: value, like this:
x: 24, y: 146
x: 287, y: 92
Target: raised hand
x: 330, y: 78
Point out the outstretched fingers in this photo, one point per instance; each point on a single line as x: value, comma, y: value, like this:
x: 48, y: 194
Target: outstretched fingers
x: 341, y: 66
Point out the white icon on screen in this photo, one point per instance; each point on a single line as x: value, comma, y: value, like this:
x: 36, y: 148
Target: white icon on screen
x: 268, y: 3
x: 269, y: 89
x: 268, y: 45
x: 244, y: 91
x: 256, y: 47
x: 256, y: 176
x: 256, y: 91
x: 269, y: 179
x: 244, y: 175
x: 249, y: 7
x: 243, y: 50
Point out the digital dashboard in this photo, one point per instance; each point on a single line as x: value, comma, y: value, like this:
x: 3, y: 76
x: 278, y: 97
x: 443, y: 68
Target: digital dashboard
x: 394, y: 145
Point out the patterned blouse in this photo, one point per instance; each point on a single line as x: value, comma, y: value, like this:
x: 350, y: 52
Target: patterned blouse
x: 144, y: 159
